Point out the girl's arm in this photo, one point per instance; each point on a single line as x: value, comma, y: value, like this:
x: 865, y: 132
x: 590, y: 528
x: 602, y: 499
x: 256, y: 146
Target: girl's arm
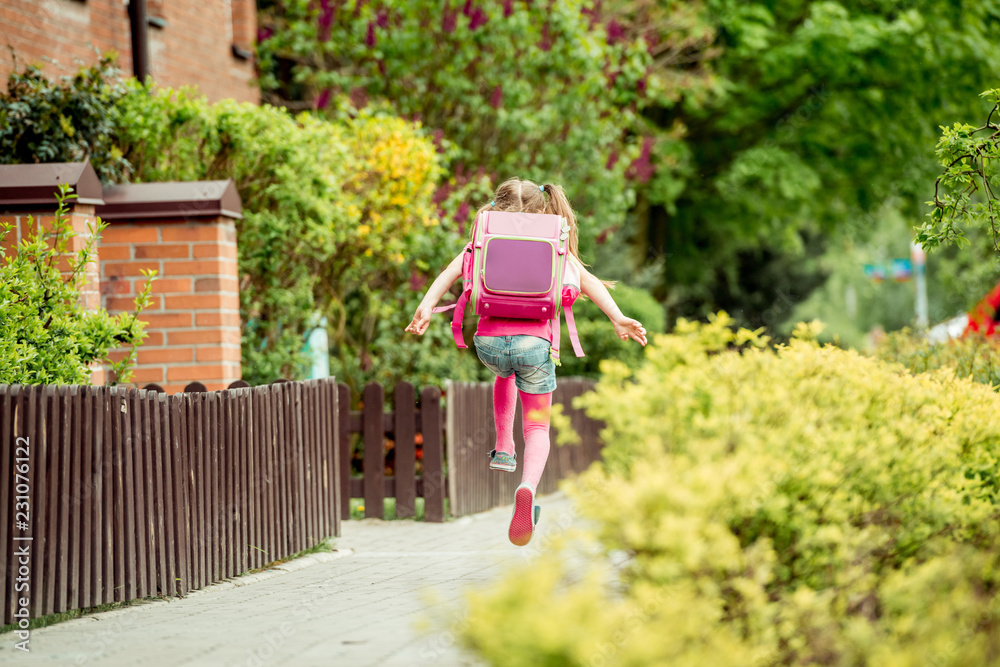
x: 625, y: 327
x: 441, y: 284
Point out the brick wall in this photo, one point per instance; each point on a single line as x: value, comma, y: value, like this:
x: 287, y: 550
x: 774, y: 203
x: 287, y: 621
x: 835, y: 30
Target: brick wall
x: 194, y: 48
x: 194, y: 319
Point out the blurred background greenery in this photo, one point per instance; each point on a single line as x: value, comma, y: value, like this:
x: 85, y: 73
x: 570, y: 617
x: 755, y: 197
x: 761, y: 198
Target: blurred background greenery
x: 737, y: 155
x: 745, y: 156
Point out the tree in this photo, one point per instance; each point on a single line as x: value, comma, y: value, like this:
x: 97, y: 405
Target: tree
x: 964, y: 192
x: 506, y: 88
x: 712, y: 147
x: 820, y: 114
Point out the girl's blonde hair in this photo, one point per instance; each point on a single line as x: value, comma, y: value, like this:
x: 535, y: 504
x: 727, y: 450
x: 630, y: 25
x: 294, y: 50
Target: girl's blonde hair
x: 522, y: 196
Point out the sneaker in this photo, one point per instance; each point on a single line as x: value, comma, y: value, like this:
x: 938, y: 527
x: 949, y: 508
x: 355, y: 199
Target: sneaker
x: 503, y: 461
x: 524, y: 517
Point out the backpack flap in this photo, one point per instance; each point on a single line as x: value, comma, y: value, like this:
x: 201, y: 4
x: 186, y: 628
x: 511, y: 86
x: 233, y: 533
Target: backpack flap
x: 518, y: 266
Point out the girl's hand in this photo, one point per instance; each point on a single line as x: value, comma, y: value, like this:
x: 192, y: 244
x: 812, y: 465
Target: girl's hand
x: 626, y: 328
x: 421, y: 320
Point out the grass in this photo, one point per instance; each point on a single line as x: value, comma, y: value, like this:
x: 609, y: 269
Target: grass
x: 389, y: 509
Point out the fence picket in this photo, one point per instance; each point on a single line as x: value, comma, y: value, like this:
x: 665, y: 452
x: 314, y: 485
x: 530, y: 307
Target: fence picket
x: 240, y: 516
x: 86, y: 487
x: 344, y: 450
x: 374, y: 455
x: 170, y: 500
x: 433, y: 430
x: 227, y: 505
x: 297, y: 448
x: 107, y: 504
x: 141, y: 454
x: 57, y: 424
x: 405, y: 429
x: 270, y: 478
x: 158, y: 521
x: 333, y: 459
x: 37, y: 409
x: 6, y: 494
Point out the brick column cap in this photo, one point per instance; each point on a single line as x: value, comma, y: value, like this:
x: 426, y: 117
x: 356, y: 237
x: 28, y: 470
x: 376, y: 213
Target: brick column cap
x: 187, y: 199
x: 35, y: 185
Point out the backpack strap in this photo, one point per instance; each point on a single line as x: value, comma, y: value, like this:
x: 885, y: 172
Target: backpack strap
x: 457, y: 318
x: 463, y: 299
x: 574, y: 337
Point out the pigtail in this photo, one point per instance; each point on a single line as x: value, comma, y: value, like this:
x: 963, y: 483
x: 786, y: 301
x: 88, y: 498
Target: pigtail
x: 559, y: 205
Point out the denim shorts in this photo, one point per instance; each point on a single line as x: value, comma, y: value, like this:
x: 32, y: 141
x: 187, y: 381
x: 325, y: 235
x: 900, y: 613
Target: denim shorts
x: 527, y: 357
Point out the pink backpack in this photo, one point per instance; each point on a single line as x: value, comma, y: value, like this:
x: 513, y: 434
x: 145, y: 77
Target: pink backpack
x: 514, y: 267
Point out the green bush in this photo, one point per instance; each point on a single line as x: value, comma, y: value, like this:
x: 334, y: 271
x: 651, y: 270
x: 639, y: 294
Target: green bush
x: 45, y: 121
x: 793, y: 505
x: 339, y: 220
x: 597, y: 335
x: 46, y: 335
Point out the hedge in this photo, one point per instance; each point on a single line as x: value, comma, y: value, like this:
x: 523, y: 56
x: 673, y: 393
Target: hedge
x: 767, y: 505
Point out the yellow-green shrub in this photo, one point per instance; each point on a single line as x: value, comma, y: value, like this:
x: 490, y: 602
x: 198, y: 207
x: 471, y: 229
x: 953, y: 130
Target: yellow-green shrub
x: 339, y: 220
x: 790, y: 505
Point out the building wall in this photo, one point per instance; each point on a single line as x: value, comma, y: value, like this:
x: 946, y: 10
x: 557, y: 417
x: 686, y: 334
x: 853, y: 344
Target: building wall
x: 193, y: 48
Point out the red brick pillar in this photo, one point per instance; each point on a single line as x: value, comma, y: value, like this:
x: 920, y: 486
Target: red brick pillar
x: 187, y: 233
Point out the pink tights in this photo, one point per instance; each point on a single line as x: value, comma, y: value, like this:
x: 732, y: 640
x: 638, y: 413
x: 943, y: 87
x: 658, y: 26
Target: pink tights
x: 535, y: 418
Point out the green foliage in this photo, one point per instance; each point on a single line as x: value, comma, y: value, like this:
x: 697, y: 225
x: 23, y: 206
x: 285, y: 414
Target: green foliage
x: 819, y: 116
x: 338, y: 221
x: 510, y: 88
x: 66, y: 122
x: 46, y: 334
x: 597, y: 333
x: 789, y: 505
x: 962, y: 193
x: 715, y: 143
x: 973, y: 356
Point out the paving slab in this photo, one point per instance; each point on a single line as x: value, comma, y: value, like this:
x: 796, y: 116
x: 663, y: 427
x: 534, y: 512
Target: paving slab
x: 375, y: 601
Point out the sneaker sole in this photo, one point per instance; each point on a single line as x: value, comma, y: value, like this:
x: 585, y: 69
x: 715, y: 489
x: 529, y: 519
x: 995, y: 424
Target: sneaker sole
x: 494, y: 466
x: 521, y: 524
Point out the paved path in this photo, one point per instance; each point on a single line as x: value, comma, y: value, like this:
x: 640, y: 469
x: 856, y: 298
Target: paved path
x: 356, y: 607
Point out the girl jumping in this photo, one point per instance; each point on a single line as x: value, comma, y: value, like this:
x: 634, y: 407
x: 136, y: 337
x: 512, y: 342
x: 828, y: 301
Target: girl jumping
x: 517, y: 350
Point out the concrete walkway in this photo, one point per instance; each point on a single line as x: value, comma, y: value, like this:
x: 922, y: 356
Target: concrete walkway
x: 358, y: 606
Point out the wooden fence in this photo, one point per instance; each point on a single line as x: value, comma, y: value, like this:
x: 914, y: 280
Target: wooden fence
x: 471, y: 434
x: 111, y: 494
x: 116, y: 494
x: 401, y: 427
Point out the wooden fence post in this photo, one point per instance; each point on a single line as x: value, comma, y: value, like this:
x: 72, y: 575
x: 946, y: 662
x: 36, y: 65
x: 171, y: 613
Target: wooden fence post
x: 374, y: 434
x: 344, y: 450
x: 332, y: 456
x: 432, y: 429
x: 405, y: 449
